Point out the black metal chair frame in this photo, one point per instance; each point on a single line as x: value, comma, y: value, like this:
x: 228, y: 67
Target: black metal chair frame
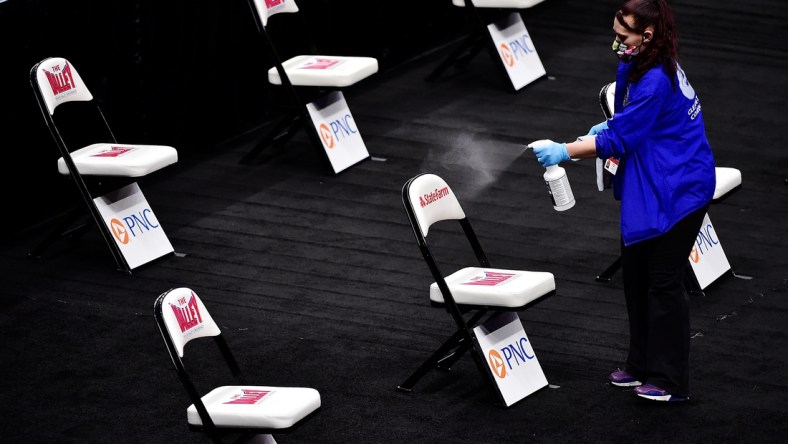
x: 475, y: 41
x: 216, y: 434
x: 89, y: 187
x: 299, y: 118
x: 463, y: 339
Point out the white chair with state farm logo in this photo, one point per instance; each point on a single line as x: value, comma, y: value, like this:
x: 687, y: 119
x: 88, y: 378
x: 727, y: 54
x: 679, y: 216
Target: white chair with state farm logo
x: 314, y: 82
x: 240, y: 411
x: 498, y: 26
x: 472, y: 294
x: 89, y: 152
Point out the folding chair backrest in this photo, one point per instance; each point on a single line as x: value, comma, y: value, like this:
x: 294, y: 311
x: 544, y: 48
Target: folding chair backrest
x: 58, y: 82
x: 184, y: 318
x: 429, y: 200
x: 268, y: 8
x: 607, y: 99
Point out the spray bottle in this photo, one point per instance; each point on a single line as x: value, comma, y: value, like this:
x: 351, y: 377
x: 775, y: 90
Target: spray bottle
x: 557, y: 184
x: 558, y: 187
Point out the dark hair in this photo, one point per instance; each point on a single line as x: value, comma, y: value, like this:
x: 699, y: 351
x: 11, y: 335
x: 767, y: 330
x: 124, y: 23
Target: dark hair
x: 663, y: 46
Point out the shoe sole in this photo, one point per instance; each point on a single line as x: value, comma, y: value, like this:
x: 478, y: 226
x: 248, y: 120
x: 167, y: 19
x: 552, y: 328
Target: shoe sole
x: 627, y: 384
x: 668, y: 398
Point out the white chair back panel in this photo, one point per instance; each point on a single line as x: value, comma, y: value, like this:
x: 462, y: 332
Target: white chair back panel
x: 59, y: 83
x: 267, y: 8
x: 610, y: 96
x: 433, y: 201
x: 104, y: 159
x: 186, y: 318
x: 727, y: 180
x: 495, y: 287
x: 506, y: 4
x: 325, y: 71
x: 257, y: 406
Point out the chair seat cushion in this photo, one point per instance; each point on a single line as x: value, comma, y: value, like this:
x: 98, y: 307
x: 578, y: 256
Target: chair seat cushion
x: 326, y: 71
x: 105, y: 159
x: 727, y: 180
x: 256, y: 406
x: 506, y: 4
x: 495, y: 287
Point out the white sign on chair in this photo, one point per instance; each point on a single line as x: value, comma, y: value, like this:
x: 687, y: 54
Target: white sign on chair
x: 511, y: 358
x: 707, y: 258
x: 133, y: 225
x: 337, y: 130
x: 516, y: 50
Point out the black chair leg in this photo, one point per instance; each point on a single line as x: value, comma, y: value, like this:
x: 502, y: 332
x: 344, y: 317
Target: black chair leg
x: 432, y: 362
x: 609, y: 271
x: 61, y: 230
x: 279, y: 134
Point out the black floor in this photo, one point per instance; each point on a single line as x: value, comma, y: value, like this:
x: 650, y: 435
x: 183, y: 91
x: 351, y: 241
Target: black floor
x: 316, y: 279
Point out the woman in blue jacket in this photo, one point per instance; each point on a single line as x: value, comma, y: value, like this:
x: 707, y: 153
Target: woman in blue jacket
x: 665, y: 181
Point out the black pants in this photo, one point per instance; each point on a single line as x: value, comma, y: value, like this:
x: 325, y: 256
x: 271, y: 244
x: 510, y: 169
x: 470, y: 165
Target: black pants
x: 657, y: 303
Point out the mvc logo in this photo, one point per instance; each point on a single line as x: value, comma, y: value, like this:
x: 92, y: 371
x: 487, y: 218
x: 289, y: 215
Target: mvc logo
x: 248, y: 396
x: 60, y: 79
x: 187, y: 313
x: 114, y: 151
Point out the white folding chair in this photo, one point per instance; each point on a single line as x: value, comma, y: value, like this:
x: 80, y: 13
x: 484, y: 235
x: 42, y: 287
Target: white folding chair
x: 102, y: 168
x: 728, y: 181
x: 472, y: 295
x: 314, y: 84
x: 497, y: 25
x: 241, y: 409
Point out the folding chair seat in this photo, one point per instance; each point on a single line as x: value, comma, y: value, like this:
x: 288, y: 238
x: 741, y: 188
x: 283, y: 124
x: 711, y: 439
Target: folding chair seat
x: 497, y: 25
x: 480, y: 299
x: 240, y: 411
x: 105, y: 173
x: 314, y: 84
x: 728, y: 181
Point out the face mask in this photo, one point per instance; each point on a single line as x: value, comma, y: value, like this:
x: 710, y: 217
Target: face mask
x: 625, y: 52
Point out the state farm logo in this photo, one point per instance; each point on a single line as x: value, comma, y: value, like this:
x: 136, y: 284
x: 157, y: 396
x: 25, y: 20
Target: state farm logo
x: 496, y: 363
x: 326, y: 136
x: 506, y: 55
x: 60, y: 79
x: 434, y: 196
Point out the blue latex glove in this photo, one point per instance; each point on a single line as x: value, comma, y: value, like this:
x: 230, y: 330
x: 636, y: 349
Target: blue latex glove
x: 598, y: 128
x: 549, y: 153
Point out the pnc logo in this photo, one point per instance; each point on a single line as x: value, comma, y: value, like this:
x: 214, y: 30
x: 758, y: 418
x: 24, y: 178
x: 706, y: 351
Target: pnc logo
x: 506, y: 55
x: 119, y: 231
x: 695, y: 255
x: 496, y: 363
x: 327, y: 136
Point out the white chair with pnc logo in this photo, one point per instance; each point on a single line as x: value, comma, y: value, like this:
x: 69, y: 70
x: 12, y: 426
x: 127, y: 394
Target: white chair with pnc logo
x: 472, y: 294
x: 481, y: 15
x: 241, y: 411
x: 309, y: 78
x: 89, y: 152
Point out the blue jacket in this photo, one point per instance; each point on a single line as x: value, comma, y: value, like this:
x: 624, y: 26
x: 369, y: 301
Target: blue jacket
x: 666, y: 166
